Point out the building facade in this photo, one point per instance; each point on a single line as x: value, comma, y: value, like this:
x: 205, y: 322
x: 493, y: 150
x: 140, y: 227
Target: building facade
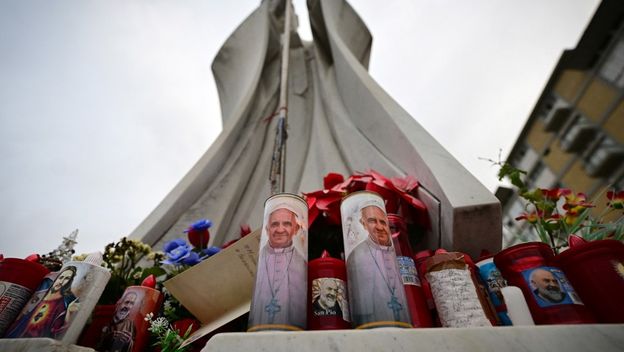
x: 574, y: 137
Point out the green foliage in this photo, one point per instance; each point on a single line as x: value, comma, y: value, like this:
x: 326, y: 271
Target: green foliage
x: 167, y: 339
x: 122, y: 259
x: 557, y: 213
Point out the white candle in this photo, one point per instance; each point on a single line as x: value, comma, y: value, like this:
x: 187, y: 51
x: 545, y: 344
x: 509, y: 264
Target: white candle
x: 517, y: 308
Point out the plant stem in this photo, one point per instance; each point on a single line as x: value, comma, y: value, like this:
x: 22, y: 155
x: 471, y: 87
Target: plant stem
x: 552, y: 243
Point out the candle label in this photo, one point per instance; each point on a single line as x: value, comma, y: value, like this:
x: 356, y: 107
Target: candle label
x: 21, y: 321
x: 456, y: 298
x: 329, y: 298
x: 67, y: 304
x: 495, y: 281
x: 407, y: 270
x: 618, y: 266
x: 279, y: 299
x: 376, y: 291
x: 490, y: 274
x: 128, y: 329
x: 550, y: 286
x: 12, y: 298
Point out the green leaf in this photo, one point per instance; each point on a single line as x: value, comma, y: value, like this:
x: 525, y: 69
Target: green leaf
x: 533, y: 196
x: 156, y: 271
x: 542, y: 233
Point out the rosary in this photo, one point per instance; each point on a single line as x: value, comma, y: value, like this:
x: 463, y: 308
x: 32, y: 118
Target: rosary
x: 393, y: 303
x: 274, y: 307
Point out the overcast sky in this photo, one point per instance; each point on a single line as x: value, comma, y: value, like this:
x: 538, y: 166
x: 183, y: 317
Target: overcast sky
x: 105, y: 105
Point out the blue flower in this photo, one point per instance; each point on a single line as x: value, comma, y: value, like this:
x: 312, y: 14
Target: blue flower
x: 210, y: 251
x: 191, y: 259
x: 171, y: 245
x: 178, y: 251
x: 200, y: 225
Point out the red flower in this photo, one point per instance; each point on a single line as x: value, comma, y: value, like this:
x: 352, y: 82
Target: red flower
x: 244, y: 230
x: 149, y: 281
x: 555, y: 194
x: 575, y: 204
x: 229, y: 243
x: 198, y: 233
x: 332, y: 179
x: 531, y: 217
x: 35, y: 258
x: 325, y: 203
x: 616, y: 199
x: 395, y: 192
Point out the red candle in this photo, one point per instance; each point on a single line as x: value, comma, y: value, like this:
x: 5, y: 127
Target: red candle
x: 596, y: 270
x: 128, y: 329
x: 416, y: 301
x: 419, y: 260
x: 549, y: 294
x: 459, y: 300
x: 328, y: 307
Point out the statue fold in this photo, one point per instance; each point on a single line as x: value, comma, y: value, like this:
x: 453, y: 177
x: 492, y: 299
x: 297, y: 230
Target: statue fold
x: 339, y: 120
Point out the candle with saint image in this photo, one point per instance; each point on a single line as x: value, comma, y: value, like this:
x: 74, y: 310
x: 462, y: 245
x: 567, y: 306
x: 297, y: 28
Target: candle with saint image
x: 376, y: 292
x: 328, y: 306
x: 128, y: 331
x: 548, y: 293
x: 67, y: 304
x: 280, y: 291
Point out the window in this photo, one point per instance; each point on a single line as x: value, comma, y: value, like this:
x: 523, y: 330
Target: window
x: 541, y: 176
x: 528, y: 160
x: 578, y: 137
x: 613, y: 68
x: 546, y: 106
x: 537, y: 170
x: 555, y: 111
x: 546, y: 178
x: 606, y: 158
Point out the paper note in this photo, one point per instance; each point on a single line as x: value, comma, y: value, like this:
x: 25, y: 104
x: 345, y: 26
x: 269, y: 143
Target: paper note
x: 219, y: 289
x: 456, y: 298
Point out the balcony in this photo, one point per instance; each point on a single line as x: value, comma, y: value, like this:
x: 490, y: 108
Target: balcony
x: 579, y: 137
x: 605, y: 160
x: 557, y: 116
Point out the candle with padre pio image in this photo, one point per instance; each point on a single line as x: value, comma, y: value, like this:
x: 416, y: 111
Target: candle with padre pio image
x: 376, y: 293
x: 128, y: 331
x: 280, y: 291
x: 328, y: 306
x: 548, y: 293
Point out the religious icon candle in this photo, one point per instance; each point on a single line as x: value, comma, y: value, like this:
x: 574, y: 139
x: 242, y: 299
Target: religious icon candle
x: 596, y: 270
x: 457, y: 298
x: 18, y: 280
x: 376, y: 293
x: 128, y: 331
x: 67, y: 304
x: 494, y: 282
x: 416, y: 301
x: 19, y: 324
x: 419, y: 260
x: 280, y: 291
x: 328, y: 306
x: 518, y: 311
x: 549, y: 294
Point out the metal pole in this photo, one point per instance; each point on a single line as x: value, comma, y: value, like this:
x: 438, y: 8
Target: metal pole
x: 278, y: 162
